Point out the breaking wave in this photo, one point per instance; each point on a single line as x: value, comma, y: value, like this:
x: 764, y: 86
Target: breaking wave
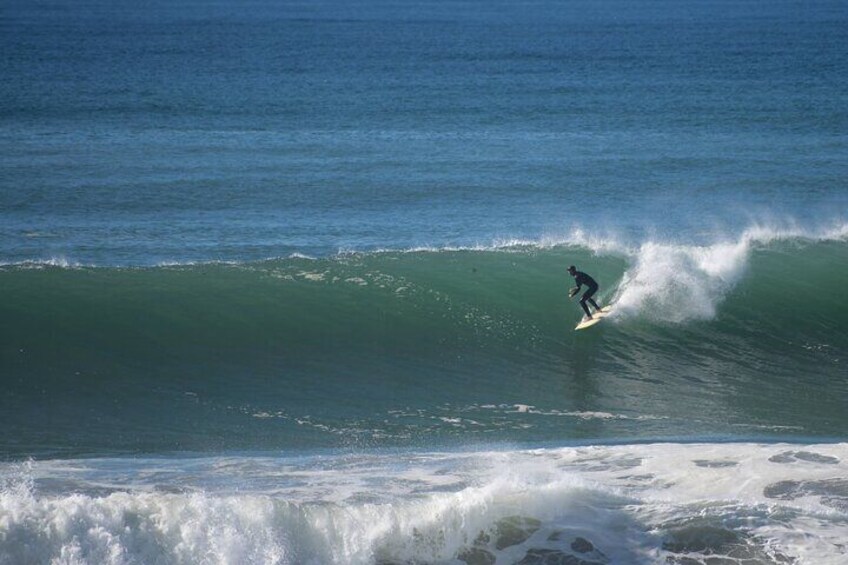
x: 398, y: 346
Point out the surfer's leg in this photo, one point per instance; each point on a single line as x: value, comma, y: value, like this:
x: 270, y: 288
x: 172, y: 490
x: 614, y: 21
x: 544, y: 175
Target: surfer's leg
x: 585, y: 308
x: 587, y: 297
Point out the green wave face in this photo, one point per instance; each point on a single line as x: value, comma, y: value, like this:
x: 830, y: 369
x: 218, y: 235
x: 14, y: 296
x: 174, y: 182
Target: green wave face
x: 185, y: 357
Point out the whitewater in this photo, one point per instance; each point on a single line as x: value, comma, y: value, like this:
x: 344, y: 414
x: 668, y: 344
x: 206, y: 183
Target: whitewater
x: 648, y: 503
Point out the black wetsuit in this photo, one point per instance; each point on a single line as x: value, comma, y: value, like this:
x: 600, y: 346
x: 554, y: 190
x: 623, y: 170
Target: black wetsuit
x: 592, y: 288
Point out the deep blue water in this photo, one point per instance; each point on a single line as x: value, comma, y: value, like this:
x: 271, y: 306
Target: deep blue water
x: 196, y: 131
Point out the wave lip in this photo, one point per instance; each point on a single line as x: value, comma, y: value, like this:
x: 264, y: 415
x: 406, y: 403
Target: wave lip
x: 677, y: 283
x: 58, y: 261
x: 599, y: 243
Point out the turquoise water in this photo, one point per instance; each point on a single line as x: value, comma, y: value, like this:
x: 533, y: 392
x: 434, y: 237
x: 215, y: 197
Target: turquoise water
x: 286, y: 282
x: 425, y: 348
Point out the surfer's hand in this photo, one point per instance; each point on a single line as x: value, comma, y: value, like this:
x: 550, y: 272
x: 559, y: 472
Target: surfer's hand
x: 572, y: 292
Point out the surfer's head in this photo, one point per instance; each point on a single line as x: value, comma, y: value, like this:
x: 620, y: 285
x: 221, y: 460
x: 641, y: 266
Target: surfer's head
x: 572, y: 269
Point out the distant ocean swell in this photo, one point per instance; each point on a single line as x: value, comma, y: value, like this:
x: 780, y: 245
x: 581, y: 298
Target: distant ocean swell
x: 636, y: 504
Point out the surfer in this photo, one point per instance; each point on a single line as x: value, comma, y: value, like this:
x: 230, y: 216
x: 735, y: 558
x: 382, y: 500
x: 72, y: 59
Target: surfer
x: 592, y: 287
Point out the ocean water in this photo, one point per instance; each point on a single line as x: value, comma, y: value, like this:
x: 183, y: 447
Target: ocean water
x: 285, y: 282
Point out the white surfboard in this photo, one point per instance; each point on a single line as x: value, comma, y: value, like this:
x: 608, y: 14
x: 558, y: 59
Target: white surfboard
x: 596, y: 317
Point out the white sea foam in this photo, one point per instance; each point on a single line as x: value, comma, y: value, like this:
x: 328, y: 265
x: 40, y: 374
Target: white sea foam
x: 678, y: 283
x: 57, y: 261
x: 609, y: 504
x: 674, y: 282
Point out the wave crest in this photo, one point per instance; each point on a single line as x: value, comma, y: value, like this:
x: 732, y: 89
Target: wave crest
x: 677, y: 283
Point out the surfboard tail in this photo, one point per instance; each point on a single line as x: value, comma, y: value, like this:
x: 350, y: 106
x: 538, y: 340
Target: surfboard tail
x: 596, y: 317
